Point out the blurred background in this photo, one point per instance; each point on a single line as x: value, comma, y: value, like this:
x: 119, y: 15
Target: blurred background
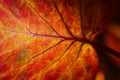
x: 110, y: 64
x: 116, y: 11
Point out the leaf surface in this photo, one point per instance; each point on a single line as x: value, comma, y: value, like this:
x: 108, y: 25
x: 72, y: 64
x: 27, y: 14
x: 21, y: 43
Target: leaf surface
x: 43, y: 39
x: 95, y: 16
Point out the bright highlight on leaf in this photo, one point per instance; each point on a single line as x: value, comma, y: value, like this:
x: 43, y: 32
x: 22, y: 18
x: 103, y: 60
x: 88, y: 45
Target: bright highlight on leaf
x: 48, y: 39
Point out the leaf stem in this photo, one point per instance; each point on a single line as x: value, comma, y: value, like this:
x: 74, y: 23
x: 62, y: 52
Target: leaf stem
x: 93, y: 43
x: 100, y: 46
x: 105, y: 48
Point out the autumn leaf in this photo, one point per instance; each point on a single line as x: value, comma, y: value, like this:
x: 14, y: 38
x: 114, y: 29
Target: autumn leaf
x: 94, y: 16
x: 46, y: 39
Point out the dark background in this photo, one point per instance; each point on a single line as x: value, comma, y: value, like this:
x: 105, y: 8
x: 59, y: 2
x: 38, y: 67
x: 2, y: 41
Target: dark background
x: 112, y: 72
x: 116, y: 11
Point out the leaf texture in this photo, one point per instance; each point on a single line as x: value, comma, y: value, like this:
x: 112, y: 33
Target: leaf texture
x: 43, y: 39
x: 95, y: 16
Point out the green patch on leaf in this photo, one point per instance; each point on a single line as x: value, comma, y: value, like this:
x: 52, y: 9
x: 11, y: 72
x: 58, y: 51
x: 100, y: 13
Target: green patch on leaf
x: 22, y: 55
x: 22, y: 77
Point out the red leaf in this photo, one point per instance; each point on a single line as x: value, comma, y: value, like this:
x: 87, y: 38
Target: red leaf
x: 43, y: 39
